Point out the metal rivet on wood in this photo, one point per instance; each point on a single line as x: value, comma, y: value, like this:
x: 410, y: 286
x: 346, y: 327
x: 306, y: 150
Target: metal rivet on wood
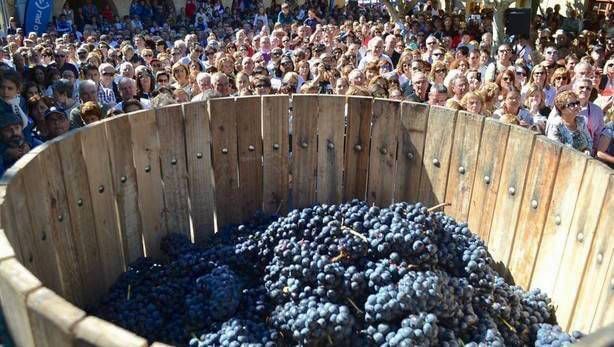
x: 225, y: 150
x: 100, y: 188
x: 512, y: 191
x: 534, y: 203
x: 173, y: 161
x: 599, y: 258
x: 31, y: 258
x: 487, y: 179
x: 80, y: 202
x: 557, y: 220
x: 60, y: 218
x: 304, y: 144
x: 358, y: 148
x: 611, y: 281
x: 410, y: 156
x: 384, y: 150
x: 580, y: 237
x: 43, y: 237
x: 276, y: 146
x: 461, y: 170
x: 147, y: 168
x: 123, y: 179
x: 199, y: 155
x: 331, y: 145
x: 251, y: 148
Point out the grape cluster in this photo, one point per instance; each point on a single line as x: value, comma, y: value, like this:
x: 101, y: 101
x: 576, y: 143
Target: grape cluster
x: 332, y: 275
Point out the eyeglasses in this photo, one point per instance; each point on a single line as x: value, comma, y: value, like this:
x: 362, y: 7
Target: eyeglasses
x: 147, y: 55
x: 538, y: 73
x: 430, y: 43
x: 550, y: 52
x: 573, y: 104
x: 610, y: 65
x: 437, y: 54
x: 162, y: 80
x: 440, y: 71
x: 520, y: 73
x: 559, y: 78
x: 505, y: 51
x: 277, y: 54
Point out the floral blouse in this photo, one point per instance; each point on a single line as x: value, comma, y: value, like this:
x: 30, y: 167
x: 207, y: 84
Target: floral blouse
x: 579, y: 139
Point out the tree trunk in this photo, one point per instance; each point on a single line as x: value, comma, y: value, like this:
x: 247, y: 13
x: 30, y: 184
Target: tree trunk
x: 398, y: 11
x: 498, y: 25
x: 394, y: 14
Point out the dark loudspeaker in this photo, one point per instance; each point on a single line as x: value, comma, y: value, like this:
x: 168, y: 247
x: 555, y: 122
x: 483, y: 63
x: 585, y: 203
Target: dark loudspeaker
x: 518, y: 21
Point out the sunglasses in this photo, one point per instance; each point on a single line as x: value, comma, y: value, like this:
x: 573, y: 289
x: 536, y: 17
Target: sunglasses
x: 277, y: 54
x: 505, y: 51
x: 162, y: 80
x: 440, y: 71
x: 147, y: 55
x: 573, y: 104
x: 538, y: 73
x: 437, y: 54
x: 520, y: 73
x: 108, y: 74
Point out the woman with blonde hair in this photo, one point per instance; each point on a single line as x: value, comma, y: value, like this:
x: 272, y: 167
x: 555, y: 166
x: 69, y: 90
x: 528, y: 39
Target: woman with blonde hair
x: 534, y: 103
x: 243, y: 84
x: 511, y: 105
x: 472, y: 102
x: 539, y: 76
x: 90, y: 112
x: 565, y: 126
x: 438, y: 73
x: 490, y: 96
x: 181, y: 74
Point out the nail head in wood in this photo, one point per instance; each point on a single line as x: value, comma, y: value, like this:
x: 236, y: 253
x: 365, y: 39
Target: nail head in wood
x: 225, y: 150
x: 358, y: 148
x: 557, y: 220
x: 534, y: 203
x: 101, y: 189
x: 512, y: 191
x: 461, y: 170
x: 123, y: 179
x: 384, y: 150
x: 173, y: 161
x: 436, y: 162
x: 251, y: 148
x: 580, y: 237
x: 147, y: 168
x: 487, y: 179
x: 80, y: 202
x: 410, y: 156
x: 304, y: 144
x: 199, y: 155
x: 276, y: 146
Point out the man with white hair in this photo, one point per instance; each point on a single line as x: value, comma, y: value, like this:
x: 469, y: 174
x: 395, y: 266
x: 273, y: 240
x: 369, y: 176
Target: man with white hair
x: 376, y: 52
x: 356, y: 78
x: 594, y: 114
x: 127, y: 90
x: 107, y: 87
x: 203, y: 79
x: 88, y: 91
x: 181, y: 46
x: 220, y: 83
x: 583, y: 70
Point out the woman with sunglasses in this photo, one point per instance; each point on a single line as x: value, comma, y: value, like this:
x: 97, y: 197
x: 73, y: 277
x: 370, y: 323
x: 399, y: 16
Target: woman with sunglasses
x: 564, y: 126
x: 181, y: 75
x: 438, y: 73
x: 144, y: 83
x: 539, y: 76
x: 506, y: 80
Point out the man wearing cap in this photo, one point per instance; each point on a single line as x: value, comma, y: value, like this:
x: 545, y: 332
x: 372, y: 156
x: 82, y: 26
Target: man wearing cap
x: 13, y: 143
x: 57, y: 122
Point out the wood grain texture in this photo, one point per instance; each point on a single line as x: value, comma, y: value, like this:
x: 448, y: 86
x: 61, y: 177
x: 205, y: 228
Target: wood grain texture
x: 356, y: 165
x: 225, y: 161
x: 304, y: 150
x: 249, y: 127
x: 596, y: 279
x: 578, y: 245
x: 52, y: 318
x: 534, y: 209
x: 200, y: 170
x: 275, y: 153
x: 5, y: 220
x: 43, y: 244
x: 488, y: 173
x: 331, y: 131
x: 16, y: 282
x: 174, y: 168
x: 382, y: 163
x: 557, y: 226
x: 80, y: 208
x: 53, y: 197
x: 464, y: 157
x: 93, y: 331
x: 604, y: 314
x: 126, y: 189
x: 96, y: 156
x: 412, y: 133
x: 146, y: 154
x: 511, y: 189
x: 436, y: 159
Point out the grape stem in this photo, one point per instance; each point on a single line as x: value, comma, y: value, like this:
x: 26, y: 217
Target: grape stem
x: 438, y: 206
x: 355, y: 306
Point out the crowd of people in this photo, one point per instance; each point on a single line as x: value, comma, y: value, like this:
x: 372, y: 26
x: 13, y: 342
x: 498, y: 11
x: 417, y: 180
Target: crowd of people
x: 91, y: 64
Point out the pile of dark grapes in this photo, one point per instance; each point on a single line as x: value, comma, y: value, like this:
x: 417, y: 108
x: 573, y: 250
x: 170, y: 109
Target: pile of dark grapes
x: 332, y: 275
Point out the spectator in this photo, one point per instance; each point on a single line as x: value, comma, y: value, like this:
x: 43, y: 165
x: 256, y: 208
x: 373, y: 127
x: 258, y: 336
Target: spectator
x: 592, y: 113
x: 565, y: 126
x: 90, y: 112
x: 57, y: 122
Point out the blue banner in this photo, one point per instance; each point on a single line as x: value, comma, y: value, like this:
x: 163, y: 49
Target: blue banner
x: 37, y: 15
